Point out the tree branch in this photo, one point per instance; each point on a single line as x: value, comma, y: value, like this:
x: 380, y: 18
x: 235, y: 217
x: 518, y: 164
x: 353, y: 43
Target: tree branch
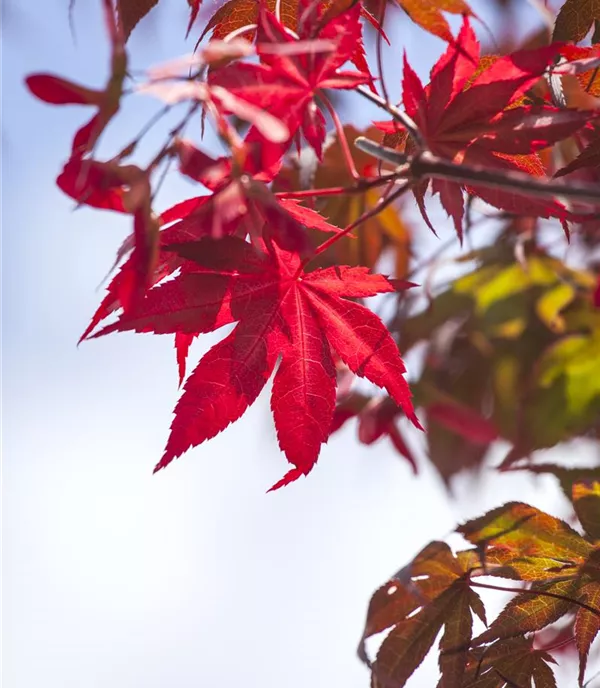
x: 427, y: 165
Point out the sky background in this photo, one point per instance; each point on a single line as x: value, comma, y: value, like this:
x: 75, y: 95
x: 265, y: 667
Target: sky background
x: 193, y: 577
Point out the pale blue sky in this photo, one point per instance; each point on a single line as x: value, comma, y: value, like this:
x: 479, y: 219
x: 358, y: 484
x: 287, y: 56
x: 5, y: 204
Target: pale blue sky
x: 193, y: 577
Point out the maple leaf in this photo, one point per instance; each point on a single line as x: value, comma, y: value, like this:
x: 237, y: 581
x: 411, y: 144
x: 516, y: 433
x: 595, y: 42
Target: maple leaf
x: 233, y: 15
x: 281, y: 312
x: 241, y: 203
x: 575, y: 19
x: 510, y: 662
x: 528, y: 544
x: 517, y: 531
x: 428, y: 14
x: 242, y: 16
x: 287, y: 84
x: 57, y: 91
x: 436, y: 584
x: 469, y: 115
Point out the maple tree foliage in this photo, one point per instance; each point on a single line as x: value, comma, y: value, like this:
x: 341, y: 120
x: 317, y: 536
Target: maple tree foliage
x: 305, y: 216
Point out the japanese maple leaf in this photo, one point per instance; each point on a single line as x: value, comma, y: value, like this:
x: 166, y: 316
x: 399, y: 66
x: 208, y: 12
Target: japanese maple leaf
x: 194, y: 9
x: 240, y: 202
x: 519, y: 541
x: 283, y: 313
x: 288, y: 82
x: 469, y: 114
x: 240, y: 17
x: 512, y: 662
x: 432, y: 592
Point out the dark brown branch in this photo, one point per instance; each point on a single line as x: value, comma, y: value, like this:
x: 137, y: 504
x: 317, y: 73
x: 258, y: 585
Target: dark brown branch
x: 427, y: 165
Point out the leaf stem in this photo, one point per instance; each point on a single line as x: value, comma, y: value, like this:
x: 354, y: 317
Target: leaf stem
x: 427, y: 165
x: 339, y: 127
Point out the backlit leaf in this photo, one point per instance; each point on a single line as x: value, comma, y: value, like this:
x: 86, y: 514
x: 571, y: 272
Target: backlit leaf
x: 281, y: 311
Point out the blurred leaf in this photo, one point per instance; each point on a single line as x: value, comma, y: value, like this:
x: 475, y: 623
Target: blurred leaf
x: 575, y: 19
x: 428, y: 14
x: 513, y: 344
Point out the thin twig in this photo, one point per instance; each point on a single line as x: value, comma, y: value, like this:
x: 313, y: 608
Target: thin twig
x: 339, y: 127
x: 401, y: 117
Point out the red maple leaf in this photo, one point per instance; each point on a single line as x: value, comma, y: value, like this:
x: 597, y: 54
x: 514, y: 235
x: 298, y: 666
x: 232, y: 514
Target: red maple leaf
x: 291, y: 77
x: 283, y: 313
x: 241, y: 203
x: 469, y: 114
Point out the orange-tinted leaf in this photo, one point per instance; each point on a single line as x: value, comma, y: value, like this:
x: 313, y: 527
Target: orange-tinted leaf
x: 525, y: 530
x: 458, y: 631
x: 575, y: 20
x: 235, y: 14
x: 587, y: 624
x: 435, y: 583
x: 411, y: 639
x: 431, y: 572
x: 131, y: 11
x: 428, y: 14
x: 530, y: 612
